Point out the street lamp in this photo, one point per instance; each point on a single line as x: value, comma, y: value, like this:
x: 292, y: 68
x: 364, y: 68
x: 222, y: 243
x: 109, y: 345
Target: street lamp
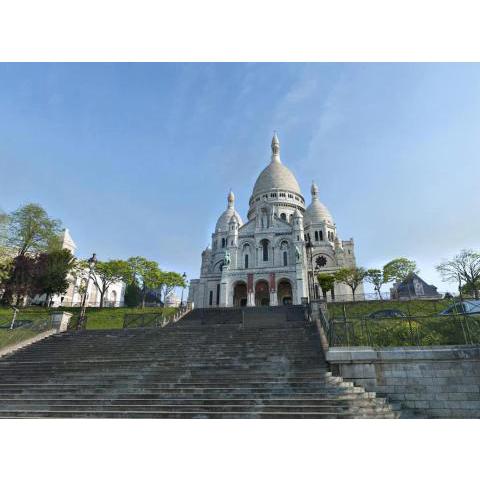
x: 309, y: 248
x: 82, y: 321
x: 184, y: 276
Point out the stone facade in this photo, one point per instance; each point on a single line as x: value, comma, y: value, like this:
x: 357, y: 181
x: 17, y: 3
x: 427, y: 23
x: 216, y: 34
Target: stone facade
x: 427, y: 382
x: 271, y: 259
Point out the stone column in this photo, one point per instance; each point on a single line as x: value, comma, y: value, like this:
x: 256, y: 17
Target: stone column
x: 250, y: 291
x: 273, y: 291
x: 60, y: 320
x: 224, y: 293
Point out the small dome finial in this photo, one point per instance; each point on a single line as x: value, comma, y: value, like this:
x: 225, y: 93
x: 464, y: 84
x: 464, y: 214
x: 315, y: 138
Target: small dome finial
x: 314, y: 190
x: 231, y: 198
x: 275, y: 148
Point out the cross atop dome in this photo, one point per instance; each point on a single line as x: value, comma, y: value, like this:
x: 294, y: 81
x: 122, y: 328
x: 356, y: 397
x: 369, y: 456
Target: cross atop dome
x: 275, y: 148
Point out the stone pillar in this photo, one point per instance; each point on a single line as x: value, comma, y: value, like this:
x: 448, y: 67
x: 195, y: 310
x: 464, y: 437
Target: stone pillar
x: 60, y: 320
x: 273, y: 291
x: 224, y: 293
x: 250, y: 291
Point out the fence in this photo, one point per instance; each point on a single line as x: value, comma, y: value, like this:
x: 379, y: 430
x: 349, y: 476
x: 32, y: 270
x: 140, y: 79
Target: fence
x: 149, y: 320
x: 21, y: 324
x: 384, y: 323
x: 66, y: 304
x: 374, y: 296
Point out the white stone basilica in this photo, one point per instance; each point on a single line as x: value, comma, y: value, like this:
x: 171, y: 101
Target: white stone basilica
x: 274, y: 257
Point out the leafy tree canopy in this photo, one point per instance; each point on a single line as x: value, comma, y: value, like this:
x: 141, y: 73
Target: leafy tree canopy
x: 326, y: 281
x: 53, y: 269
x: 462, y: 268
x: 376, y: 277
x: 108, y: 273
x: 352, y: 277
x: 31, y: 230
x: 399, y: 270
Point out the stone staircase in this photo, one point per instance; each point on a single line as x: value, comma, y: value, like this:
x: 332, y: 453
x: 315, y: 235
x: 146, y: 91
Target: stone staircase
x: 208, y: 365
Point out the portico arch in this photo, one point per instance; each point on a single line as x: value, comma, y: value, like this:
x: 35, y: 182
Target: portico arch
x: 240, y: 294
x: 284, y: 292
x: 262, y: 293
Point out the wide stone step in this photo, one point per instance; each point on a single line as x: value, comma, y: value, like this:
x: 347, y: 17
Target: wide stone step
x: 191, y: 414
x: 210, y: 402
x: 202, y: 408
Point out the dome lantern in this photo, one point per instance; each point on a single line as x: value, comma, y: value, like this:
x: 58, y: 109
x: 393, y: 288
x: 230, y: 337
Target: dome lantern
x: 224, y: 219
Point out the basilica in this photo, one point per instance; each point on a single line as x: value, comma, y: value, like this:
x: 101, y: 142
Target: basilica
x: 275, y: 256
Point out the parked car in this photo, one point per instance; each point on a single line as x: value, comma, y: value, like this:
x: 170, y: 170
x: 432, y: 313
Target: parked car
x: 467, y: 307
x: 387, y: 314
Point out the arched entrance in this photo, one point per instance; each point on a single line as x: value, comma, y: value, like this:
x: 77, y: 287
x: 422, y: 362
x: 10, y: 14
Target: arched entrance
x: 262, y: 293
x: 284, y: 292
x: 240, y: 294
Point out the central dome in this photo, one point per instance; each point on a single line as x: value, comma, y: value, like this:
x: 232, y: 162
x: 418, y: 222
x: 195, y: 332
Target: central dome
x: 276, y: 175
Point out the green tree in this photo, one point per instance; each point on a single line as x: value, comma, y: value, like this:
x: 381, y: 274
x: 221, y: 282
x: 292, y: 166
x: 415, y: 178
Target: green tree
x: 353, y: 277
x: 31, y: 230
x: 152, y: 278
x: 21, y: 281
x: 146, y: 273
x: 6, y: 259
x: 133, y: 295
x: 462, y: 268
x: 52, y: 272
x: 171, y: 280
x: 377, y: 278
x: 326, y: 282
x: 108, y: 273
x: 399, y: 270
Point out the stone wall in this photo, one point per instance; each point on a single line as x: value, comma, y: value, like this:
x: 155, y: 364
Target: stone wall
x: 426, y: 382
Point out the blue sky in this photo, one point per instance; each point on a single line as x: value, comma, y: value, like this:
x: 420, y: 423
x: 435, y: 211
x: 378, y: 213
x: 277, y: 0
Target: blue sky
x: 137, y: 159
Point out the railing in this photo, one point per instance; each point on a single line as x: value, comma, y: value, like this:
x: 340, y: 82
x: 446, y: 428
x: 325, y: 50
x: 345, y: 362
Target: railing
x: 153, y: 320
x: 401, y: 323
x: 375, y: 296
x: 21, y: 324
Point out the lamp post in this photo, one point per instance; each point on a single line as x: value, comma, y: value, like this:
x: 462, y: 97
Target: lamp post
x: 309, y: 248
x: 184, y: 276
x: 91, y: 268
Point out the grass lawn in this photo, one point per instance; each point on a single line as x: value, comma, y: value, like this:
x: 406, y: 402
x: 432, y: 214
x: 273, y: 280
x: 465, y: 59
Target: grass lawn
x: 97, y: 319
x: 421, y: 325
x: 408, y: 307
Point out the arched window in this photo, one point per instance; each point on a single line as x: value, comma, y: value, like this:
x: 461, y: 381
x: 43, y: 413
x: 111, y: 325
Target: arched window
x: 321, y: 235
x: 223, y: 243
x: 210, y: 302
x: 246, y: 260
x: 218, y: 293
x: 264, y: 244
x: 316, y: 236
x: 285, y: 259
x: 283, y: 216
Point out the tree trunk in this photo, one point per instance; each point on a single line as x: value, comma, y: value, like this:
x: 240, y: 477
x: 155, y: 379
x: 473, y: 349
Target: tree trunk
x: 144, y: 295
x: 102, y: 295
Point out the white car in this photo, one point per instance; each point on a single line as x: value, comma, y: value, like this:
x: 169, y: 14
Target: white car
x: 468, y: 307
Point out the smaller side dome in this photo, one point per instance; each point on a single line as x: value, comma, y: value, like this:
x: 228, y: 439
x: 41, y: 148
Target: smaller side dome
x: 317, y: 212
x: 227, y: 215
